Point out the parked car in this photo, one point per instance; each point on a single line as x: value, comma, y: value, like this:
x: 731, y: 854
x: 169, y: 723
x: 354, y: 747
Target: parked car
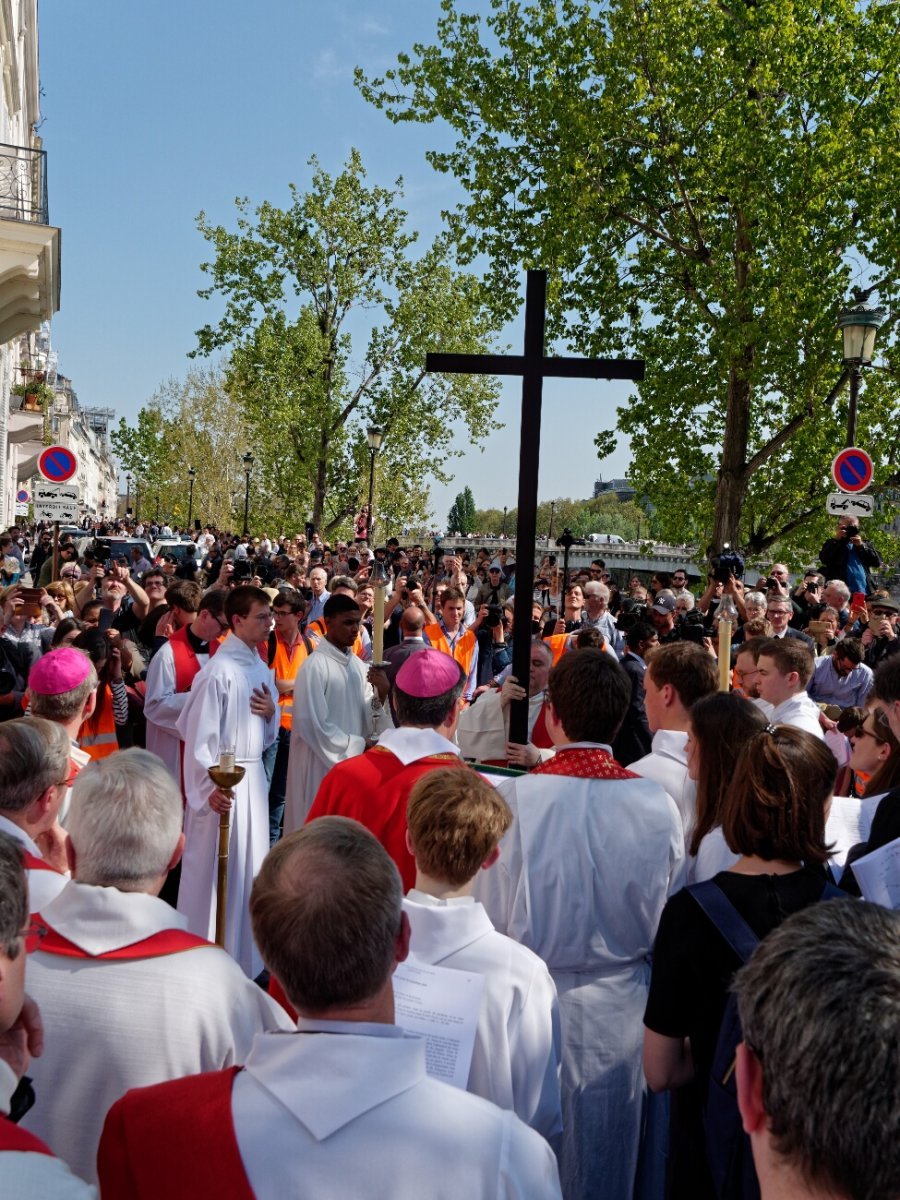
x: 115, y: 547
x: 608, y: 539
x: 178, y: 548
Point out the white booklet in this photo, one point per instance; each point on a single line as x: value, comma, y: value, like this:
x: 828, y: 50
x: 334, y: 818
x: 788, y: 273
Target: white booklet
x: 878, y: 875
x: 442, y: 1005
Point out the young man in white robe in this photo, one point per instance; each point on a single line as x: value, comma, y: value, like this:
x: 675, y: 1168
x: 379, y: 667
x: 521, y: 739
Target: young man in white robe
x: 232, y: 706
x: 677, y: 676
x: 171, y: 673
x: 784, y: 669
x: 342, y: 1107
x: 128, y: 997
x: 34, y: 779
x: 337, y: 711
x: 454, y: 824
x: 592, y: 855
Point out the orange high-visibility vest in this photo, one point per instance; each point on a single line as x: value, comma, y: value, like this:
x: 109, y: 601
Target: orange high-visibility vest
x: 97, y: 736
x: 463, y: 648
x: 286, y: 661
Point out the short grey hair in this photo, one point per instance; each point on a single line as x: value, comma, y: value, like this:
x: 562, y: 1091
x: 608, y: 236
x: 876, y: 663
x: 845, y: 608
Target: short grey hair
x: 124, y: 820
x: 13, y: 897
x: 326, y: 911
x: 840, y: 587
x: 595, y: 588
x: 34, y: 755
x: 756, y: 599
x: 684, y: 594
x: 819, y: 1004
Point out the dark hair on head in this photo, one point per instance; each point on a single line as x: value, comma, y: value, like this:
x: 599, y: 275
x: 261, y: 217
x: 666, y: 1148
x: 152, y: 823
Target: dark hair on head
x: 291, y: 600
x: 241, y: 600
x: 590, y: 694
x: 589, y: 638
x: 641, y: 631
x: 184, y: 594
x: 789, y: 655
x: 752, y: 646
x: 720, y: 725
x: 851, y: 719
x: 452, y: 593
x: 13, y: 896
x: 335, y: 605
x: 427, y: 712
x: 775, y: 807
x: 96, y: 646
x: 850, y: 650
x: 213, y: 602
x: 757, y: 629
x: 66, y: 626
x: 687, y: 668
x: 887, y: 680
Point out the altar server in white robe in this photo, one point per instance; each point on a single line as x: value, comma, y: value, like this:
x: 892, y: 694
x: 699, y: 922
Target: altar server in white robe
x: 454, y: 824
x: 336, y: 710
x: 232, y: 706
x: 585, y: 869
x: 171, y: 673
x: 343, y: 1107
x: 128, y: 997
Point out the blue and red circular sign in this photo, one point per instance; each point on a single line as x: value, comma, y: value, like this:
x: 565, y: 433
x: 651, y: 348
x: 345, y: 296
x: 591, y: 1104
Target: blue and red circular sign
x: 22, y: 496
x: 57, y: 464
x: 852, y: 470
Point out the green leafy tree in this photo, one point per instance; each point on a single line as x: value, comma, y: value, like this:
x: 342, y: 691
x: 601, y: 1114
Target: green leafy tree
x: 462, y: 517
x: 294, y: 281
x: 704, y: 183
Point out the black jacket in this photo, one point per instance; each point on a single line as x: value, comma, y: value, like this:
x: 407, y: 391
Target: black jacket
x: 833, y: 556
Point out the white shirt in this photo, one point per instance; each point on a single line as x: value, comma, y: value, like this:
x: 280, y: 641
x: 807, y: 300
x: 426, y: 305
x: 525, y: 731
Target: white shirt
x: 800, y: 712
x: 163, y: 706
x: 31, y: 1175
x: 517, y: 1047
x: 114, y: 1024
x: 667, y: 764
x: 43, y: 885
x: 345, y: 1109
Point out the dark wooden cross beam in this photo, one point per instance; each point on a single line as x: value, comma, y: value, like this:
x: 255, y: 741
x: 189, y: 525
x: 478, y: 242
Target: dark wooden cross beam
x: 534, y: 368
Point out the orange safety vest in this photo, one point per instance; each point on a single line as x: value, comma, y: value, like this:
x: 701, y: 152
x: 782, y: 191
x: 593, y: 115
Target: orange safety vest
x: 316, y: 630
x: 97, y: 735
x: 463, y: 648
x: 558, y: 643
x: 287, y: 661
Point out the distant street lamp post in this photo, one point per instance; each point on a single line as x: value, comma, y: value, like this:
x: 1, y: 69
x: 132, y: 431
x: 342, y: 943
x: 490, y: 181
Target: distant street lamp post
x: 127, y: 495
x: 552, y: 511
x: 137, y: 499
x: 858, y: 326
x: 374, y: 436
x: 247, y: 460
x: 192, y: 475
x: 157, y: 506
x: 504, y: 520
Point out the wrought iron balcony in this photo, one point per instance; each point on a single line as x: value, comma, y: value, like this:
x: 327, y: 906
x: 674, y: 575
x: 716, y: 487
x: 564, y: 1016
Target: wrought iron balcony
x: 23, y: 184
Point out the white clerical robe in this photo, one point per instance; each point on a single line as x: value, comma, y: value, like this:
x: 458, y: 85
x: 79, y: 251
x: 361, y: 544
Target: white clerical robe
x: 218, y: 715
x: 483, y: 728
x: 163, y: 706
x: 333, y: 717
x: 31, y: 1174
x: 799, y: 712
x: 584, y: 873
x: 346, y: 1109
x: 666, y: 764
x: 113, y: 1024
x: 517, y: 1046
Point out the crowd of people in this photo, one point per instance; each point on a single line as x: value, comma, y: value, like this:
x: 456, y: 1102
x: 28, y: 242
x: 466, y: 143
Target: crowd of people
x: 682, y: 988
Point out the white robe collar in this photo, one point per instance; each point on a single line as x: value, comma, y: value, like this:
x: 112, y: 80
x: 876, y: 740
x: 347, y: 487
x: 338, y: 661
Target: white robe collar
x: 99, y: 919
x: 670, y: 743
x: 234, y: 648
x: 410, y: 744
x: 18, y: 834
x: 442, y: 927
x: 328, y: 1081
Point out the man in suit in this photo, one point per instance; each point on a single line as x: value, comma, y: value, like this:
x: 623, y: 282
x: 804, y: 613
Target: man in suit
x: 412, y: 622
x: 634, y: 738
x: 779, y: 611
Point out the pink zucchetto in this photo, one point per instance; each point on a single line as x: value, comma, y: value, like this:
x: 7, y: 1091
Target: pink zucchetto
x: 58, y: 672
x: 428, y: 673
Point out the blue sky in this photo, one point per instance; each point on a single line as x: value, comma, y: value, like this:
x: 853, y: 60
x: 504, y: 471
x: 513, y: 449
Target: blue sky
x: 154, y: 111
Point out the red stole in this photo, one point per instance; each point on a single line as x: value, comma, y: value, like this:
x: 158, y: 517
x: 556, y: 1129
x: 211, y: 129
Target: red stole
x: 175, y: 1139
x: 20, y: 1140
x: 33, y: 863
x: 167, y: 941
x: 539, y: 735
x: 185, y: 658
x: 583, y: 762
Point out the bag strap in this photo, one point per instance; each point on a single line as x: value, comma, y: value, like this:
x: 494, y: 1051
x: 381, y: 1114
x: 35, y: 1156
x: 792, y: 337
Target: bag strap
x: 726, y: 918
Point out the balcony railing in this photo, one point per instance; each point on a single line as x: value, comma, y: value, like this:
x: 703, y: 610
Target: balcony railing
x: 23, y: 184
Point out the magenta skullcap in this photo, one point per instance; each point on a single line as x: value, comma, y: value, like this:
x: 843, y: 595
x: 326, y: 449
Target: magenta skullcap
x: 59, y: 671
x: 428, y: 673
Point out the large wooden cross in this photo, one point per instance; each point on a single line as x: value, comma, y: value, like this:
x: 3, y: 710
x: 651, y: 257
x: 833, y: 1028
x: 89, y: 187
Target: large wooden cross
x: 534, y: 368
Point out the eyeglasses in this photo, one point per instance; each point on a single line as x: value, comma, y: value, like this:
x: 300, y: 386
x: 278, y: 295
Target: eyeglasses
x: 861, y: 731
x: 883, y: 612
x: 30, y: 936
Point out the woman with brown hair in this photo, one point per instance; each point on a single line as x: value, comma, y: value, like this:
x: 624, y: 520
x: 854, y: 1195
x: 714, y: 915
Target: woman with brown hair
x: 875, y: 754
x: 720, y: 725
x: 773, y: 818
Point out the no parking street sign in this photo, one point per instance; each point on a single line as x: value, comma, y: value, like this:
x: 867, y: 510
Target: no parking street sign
x: 57, y: 464
x: 852, y: 470
x: 23, y: 496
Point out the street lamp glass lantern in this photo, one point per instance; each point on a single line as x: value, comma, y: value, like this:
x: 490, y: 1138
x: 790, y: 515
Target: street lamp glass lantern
x: 859, y: 325
x: 247, y: 460
x: 374, y: 437
x: 192, y: 472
